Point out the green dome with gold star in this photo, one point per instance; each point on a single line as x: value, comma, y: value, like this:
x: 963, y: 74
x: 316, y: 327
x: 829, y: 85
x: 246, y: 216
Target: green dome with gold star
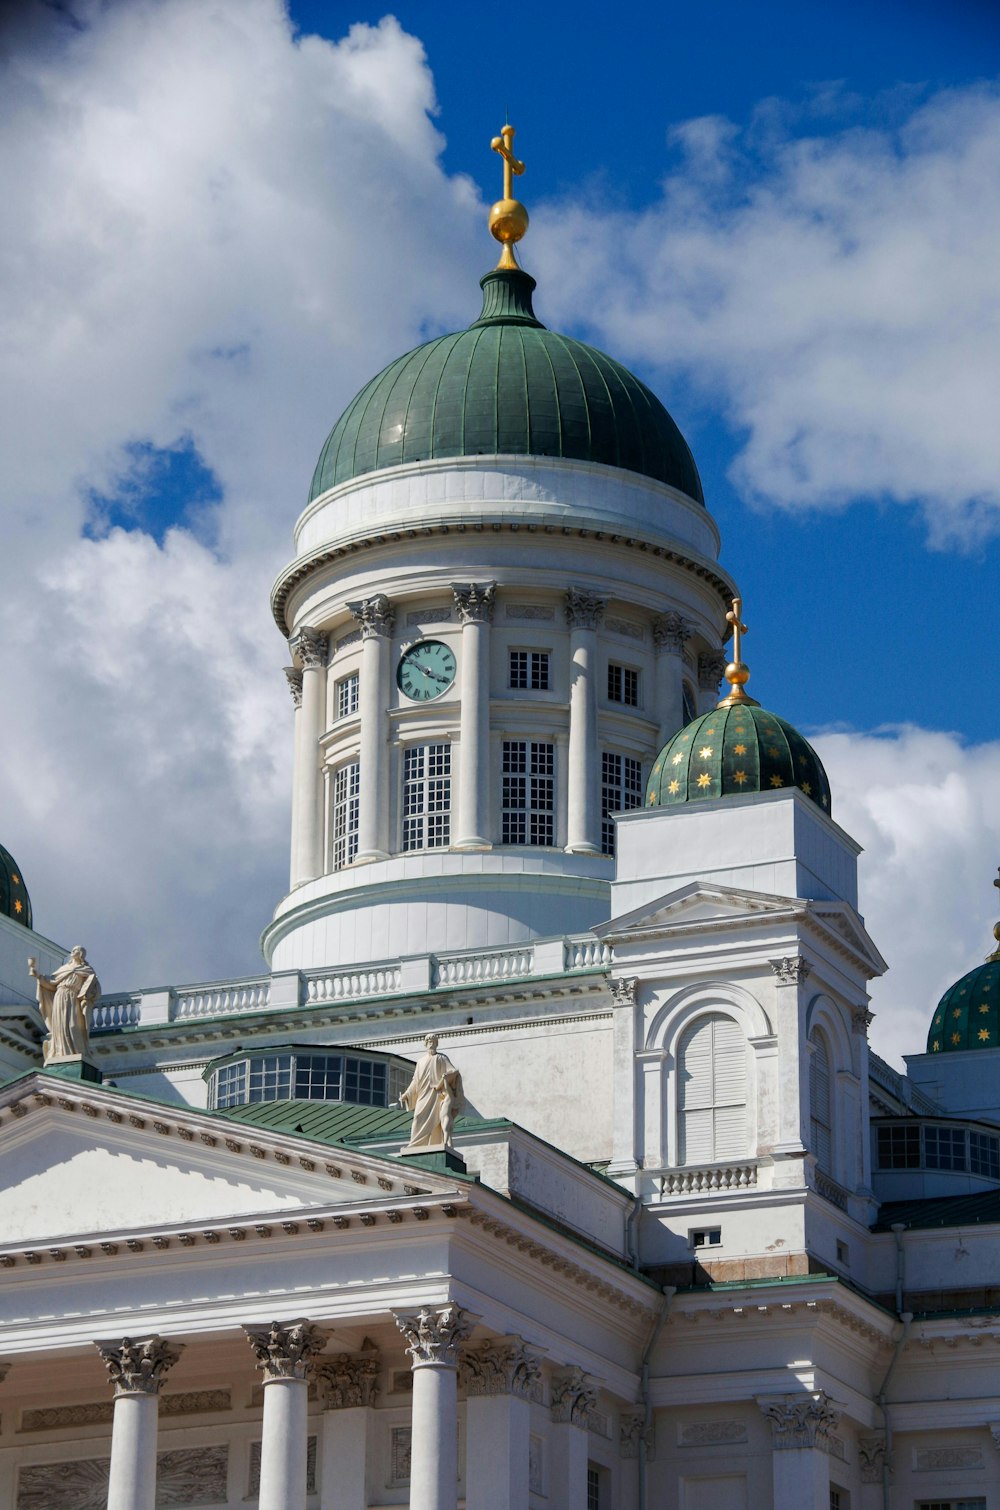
x: 733, y: 750
x: 14, y: 900
x: 968, y: 1014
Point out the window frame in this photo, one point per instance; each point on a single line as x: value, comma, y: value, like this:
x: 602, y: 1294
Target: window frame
x: 538, y: 786
x: 430, y: 821
x: 629, y: 689
x: 537, y: 670
x: 622, y: 789
x: 347, y: 689
x: 345, y: 804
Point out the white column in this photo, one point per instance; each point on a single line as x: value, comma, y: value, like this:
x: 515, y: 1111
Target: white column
x: 502, y: 1381
x: 294, y: 678
x: 136, y: 1369
x: 433, y: 1337
x: 793, y: 1064
x: 711, y: 665
x: 584, y: 611
x: 284, y: 1352
x: 310, y: 649
x: 376, y: 617
x: 347, y: 1387
x: 801, y: 1426
x: 574, y: 1395
x: 474, y: 601
x: 670, y: 633
x: 626, y: 1114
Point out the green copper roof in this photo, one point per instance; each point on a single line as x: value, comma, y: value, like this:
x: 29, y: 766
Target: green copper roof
x: 14, y: 900
x: 732, y: 750
x: 968, y: 1014
x: 506, y: 386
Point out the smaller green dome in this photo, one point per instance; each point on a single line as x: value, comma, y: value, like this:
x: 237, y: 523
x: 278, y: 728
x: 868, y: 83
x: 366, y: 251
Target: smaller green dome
x: 732, y: 750
x: 968, y: 1014
x: 14, y: 900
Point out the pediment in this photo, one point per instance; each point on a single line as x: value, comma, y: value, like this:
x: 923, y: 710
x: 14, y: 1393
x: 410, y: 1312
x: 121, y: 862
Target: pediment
x: 697, y: 904
x: 78, y: 1159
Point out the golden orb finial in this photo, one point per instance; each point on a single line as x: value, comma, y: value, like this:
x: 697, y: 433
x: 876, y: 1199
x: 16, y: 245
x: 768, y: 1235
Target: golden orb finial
x: 737, y: 673
x: 508, y: 217
x: 996, y: 926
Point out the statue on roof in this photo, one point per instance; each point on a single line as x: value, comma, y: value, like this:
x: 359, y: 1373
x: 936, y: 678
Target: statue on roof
x: 435, y: 1097
x: 65, y: 1000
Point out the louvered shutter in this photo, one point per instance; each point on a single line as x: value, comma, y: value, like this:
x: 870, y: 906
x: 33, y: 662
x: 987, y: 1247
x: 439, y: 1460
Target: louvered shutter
x: 819, y: 1104
x: 711, y: 1065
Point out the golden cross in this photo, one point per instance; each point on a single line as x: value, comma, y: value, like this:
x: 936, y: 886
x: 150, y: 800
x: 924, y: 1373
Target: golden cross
x: 511, y: 164
x: 739, y: 629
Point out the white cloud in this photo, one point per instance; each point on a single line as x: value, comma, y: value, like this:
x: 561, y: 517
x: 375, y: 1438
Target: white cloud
x: 209, y: 239
x: 923, y: 805
x: 840, y: 291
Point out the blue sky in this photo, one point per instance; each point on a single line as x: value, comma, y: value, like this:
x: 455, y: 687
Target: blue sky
x: 221, y: 221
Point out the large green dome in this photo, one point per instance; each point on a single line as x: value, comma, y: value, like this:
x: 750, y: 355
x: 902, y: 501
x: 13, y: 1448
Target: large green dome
x: 735, y: 749
x: 506, y: 386
x: 968, y: 1014
x: 14, y: 900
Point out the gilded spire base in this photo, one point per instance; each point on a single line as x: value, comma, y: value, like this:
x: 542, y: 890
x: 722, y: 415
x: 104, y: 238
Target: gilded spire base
x: 508, y: 219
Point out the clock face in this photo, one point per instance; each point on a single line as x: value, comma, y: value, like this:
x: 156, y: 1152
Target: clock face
x: 426, y: 671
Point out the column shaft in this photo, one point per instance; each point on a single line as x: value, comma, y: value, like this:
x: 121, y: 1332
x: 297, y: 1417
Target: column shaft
x: 568, y: 1467
x: 584, y: 611
x: 801, y: 1478
x: 498, y: 1432
x: 474, y: 601
x: 285, y: 1444
x: 345, y: 1459
x: 376, y: 618
x: 670, y: 633
x: 132, y: 1483
x: 434, y: 1450
x: 310, y: 648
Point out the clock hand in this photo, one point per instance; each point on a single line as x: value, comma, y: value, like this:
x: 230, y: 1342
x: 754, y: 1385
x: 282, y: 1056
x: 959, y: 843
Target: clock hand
x: 428, y: 672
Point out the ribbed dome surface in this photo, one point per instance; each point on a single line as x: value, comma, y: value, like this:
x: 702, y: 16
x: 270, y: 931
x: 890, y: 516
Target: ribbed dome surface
x: 731, y: 750
x: 14, y: 900
x: 506, y: 386
x: 968, y: 1014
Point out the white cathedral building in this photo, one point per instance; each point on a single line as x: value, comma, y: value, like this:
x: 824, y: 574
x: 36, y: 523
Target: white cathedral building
x: 688, y: 1245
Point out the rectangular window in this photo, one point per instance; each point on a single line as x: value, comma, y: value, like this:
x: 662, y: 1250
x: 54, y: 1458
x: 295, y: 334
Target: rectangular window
x: 347, y: 695
x: 230, y: 1086
x: 318, y: 1077
x: 594, y: 1501
x: 528, y: 792
x: 621, y: 790
x: 984, y: 1154
x: 899, y: 1147
x: 271, y: 1078
x: 623, y: 685
x: 944, y: 1147
x: 529, y: 670
x: 427, y: 797
x: 707, y: 1237
x: 364, y: 1082
x: 346, y: 812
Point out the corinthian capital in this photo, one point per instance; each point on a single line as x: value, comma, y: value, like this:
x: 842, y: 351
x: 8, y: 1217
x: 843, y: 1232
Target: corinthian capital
x: 309, y: 648
x: 434, y: 1336
x: 285, y: 1350
x: 502, y: 1366
x: 800, y: 1420
x: 474, y: 601
x: 711, y: 665
x: 790, y: 971
x: 671, y: 632
x: 584, y: 610
x: 293, y: 676
x: 574, y: 1395
x: 137, y: 1367
x: 375, y: 615
x: 349, y: 1379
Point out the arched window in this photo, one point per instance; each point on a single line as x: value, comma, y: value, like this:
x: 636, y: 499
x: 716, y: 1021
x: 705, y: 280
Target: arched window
x: 712, y: 1091
x: 820, y: 1110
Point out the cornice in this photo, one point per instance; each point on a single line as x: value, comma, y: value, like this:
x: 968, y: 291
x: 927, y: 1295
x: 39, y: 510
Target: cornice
x: 487, y: 523
x: 756, y: 1307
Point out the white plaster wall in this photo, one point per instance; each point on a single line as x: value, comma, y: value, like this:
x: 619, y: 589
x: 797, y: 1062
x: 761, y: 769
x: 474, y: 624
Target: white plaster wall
x: 16, y: 944
x: 965, y: 1084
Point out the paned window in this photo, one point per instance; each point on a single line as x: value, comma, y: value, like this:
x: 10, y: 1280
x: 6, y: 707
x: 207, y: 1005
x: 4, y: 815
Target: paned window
x: 984, y: 1154
x: 712, y: 1091
x: 944, y: 1148
x: 820, y: 1110
x: 346, y: 811
x: 271, y: 1078
x: 318, y: 1077
x: 623, y: 685
x: 364, y: 1082
x: 529, y: 670
x: 899, y: 1147
x: 594, y: 1489
x: 347, y: 695
x: 427, y: 796
x: 230, y: 1086
x: 621, y: 790
x: 528, y: 792
x: 839, y: 1498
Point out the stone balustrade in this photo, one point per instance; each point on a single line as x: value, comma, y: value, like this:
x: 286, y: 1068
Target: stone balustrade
x: 705, y: 1178
x: 467, y: 967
